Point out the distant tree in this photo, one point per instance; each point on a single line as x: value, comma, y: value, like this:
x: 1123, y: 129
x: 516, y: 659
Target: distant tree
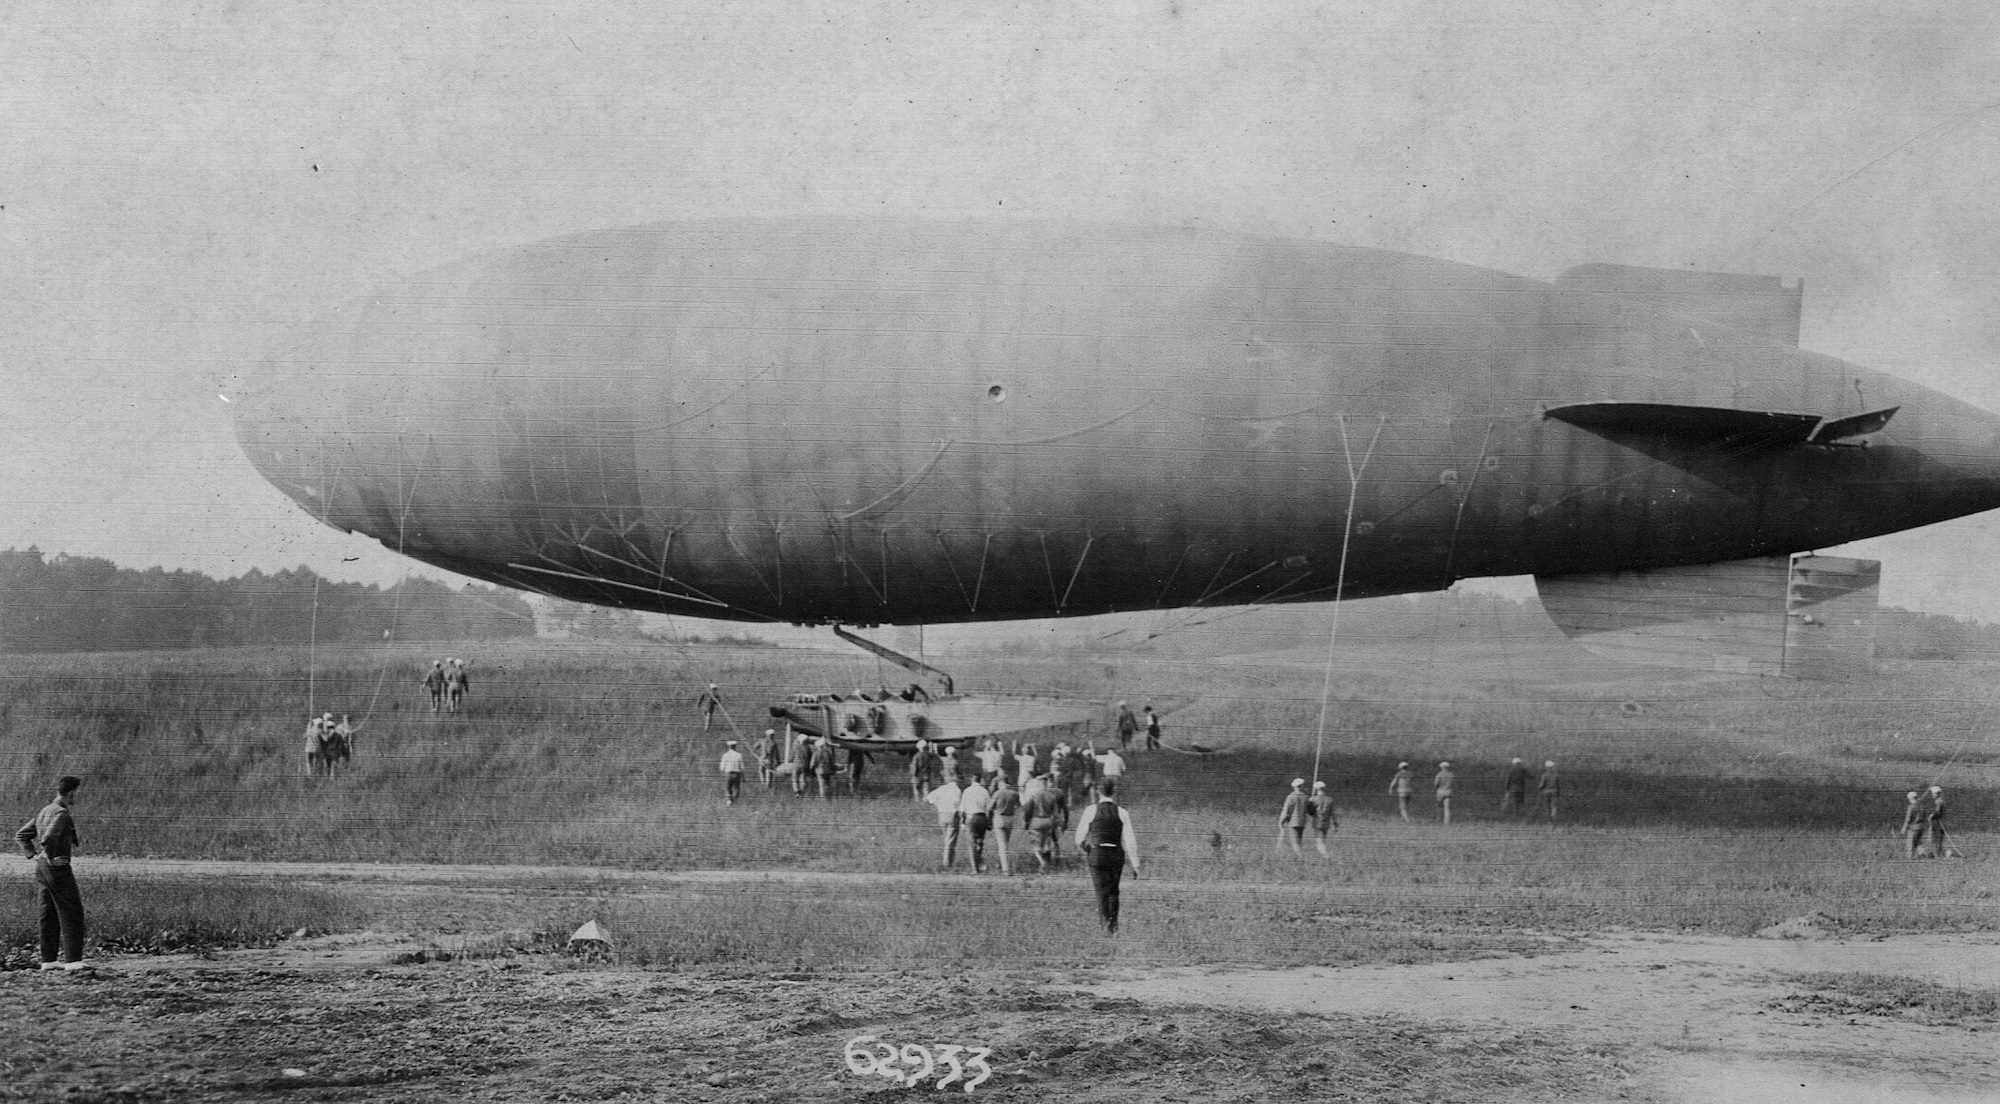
x: 81, y: 603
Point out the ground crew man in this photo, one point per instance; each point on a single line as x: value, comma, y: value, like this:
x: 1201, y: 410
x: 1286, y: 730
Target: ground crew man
x: 456, y: 683
x: 732, y: 774
x: 1443, y: 783
x: 1047, y: 810
x: 316, y: 734
x: 1404, y: 786
x: 433, y: 681
x: 345, y: 731
x: 50, y: 839
x: 1938, y: 845
x: 1104, y: 832
x: 1324, y: 819
x: 1550, y: 787
x: 923, y: 768
x: 801, y: 763
x: 1916, y: 821
x: 1152, y: 739
x: 1111, y: 766
x: 1128, y: 726
x: 945, y: 800
x: 766, y: 753
x: 1516, y: 797
x: 1006, y: 819
x: 709, y: 701
x: 1293, y: 817
x: 975, y: 811
x: 823, y: 765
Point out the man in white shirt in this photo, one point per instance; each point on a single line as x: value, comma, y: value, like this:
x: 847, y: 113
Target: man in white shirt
x: 732, y: 774
x: 975, y: 810
x: 1104, y: 832
x: 1112, y: 764
x: 945, y: 800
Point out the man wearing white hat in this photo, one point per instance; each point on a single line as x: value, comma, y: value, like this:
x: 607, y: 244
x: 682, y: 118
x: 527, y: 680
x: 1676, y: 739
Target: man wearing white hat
x: 732, y: 774
x: 1443, y: 783
x: 1916, y: 820
x: 1320, y: 807
x: 1293, y: 817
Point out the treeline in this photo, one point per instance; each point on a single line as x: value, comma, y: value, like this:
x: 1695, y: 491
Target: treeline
x: 79, y: 603
x: 1907, y: 634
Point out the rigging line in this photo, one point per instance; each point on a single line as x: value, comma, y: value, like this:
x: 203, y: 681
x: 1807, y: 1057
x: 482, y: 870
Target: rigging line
x: 695, y: 591
x: 1080, y: 557
x: 1210, y: 589
x: 981, y: 581
x: 740, y: 388
x: 895, y: 496
x: 729, y: 538
x: 312, y: 640
x: 1048, y: 569
x: 949, y: 562
x: 1237, y: 583
x: 1172, y: 575
x: 847, y: 559
x: 1067, y: 434
x: 1458, y: 519
x: 601, y: 581
x: 1340, y: 576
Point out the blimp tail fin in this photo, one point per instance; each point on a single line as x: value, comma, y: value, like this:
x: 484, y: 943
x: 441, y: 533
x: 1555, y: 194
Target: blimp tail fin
x: 1769, y: 305
x: 1715, y: 423
x: 1804, y: 616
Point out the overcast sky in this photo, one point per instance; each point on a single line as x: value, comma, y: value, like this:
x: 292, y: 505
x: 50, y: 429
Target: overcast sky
x: 181, y: 184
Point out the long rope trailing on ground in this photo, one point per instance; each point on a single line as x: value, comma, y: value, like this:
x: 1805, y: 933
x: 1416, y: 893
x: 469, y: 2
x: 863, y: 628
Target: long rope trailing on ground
x: 1340, y: 576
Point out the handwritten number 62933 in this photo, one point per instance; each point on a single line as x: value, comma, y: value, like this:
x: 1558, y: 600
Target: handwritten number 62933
x: 913, y: 1063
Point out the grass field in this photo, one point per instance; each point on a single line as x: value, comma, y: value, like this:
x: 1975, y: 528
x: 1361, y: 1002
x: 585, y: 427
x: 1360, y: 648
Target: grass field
x: 1691, y: 802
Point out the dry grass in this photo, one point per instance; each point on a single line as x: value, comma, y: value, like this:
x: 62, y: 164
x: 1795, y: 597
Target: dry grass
x: 584, y: 756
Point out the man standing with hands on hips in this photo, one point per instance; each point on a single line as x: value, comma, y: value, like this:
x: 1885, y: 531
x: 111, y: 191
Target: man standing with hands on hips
x: 1104, y: 832
x: 50, y: 839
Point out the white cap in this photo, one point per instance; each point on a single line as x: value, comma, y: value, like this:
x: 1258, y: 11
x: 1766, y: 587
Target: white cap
x: 1912, y: 795
x: 1297, y: 782
x: 1403, y: 764
x: 1319, y: 785
x: 732, y: 743
x: 1550, y: 763
x: 1444, y: 764
x: 1937, y: 789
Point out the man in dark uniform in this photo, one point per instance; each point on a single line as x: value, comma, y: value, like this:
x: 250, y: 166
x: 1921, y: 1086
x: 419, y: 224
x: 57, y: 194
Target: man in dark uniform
x: 1104, y: 832
x: 1152, y: 730
x: 50, y: 839
x: 708, y: 703
x: 1516, y: 798
x: 1128, y: 726
x: 434, y: 682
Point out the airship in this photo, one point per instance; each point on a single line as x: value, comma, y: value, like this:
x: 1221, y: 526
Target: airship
x: 911, y: 422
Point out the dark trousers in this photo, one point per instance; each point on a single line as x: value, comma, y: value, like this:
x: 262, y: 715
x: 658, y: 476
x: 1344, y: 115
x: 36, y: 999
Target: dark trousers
x: 62, y: 912
x: 733, y: 786
x: 1104, y: 875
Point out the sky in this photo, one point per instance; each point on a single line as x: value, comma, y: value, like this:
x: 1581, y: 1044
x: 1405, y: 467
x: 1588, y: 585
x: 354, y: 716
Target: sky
x: 182, y: 185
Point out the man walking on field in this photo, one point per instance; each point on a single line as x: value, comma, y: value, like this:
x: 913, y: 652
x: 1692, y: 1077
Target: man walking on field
x: 708, y: 703
x: 732, y: 774
x: 1104, y: 832
x: 433, y: 681
x: 1443, y: 783
x: 50, y: 839
x: 1292, y: 818
x: 1047, y: 810
x: 1916, y: 820
x: 945, y: 800
x: 1128, y: 726
x: 765, y: 752
x: 1320, y: 808
x: 1404, y: 786
x: 1516, y: 797
x: 1550, y: 787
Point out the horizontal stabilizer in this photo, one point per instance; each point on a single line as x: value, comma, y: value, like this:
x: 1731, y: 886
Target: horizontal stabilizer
x: 1718, y: 424
x: 1808, y: 616
x: 1763, y: 304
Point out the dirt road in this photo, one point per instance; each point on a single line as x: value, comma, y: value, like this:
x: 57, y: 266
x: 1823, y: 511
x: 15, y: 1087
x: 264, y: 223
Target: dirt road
x: 1704, y: 1013
x: 376, y: 1016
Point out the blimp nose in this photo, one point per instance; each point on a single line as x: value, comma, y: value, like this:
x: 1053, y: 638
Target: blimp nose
x: 278, y: 438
